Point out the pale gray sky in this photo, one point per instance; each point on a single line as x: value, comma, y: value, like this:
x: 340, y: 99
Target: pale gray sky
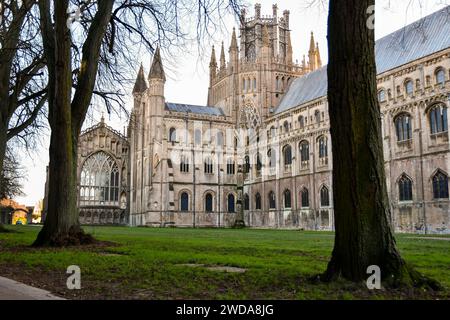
x: 189, y: 82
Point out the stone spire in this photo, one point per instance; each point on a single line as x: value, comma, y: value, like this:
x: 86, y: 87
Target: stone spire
x: 318, y: 59
x: 222, y: 58
x: 289, y: 51
x: 234, y: 45
x: 312, y: 53
x: 213, y: 65
x: 141, y: 85
x: 157, y: 70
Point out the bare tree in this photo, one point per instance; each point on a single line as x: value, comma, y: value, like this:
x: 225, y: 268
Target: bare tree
x: 363, y: 233
x: 11, y: 177
x: 22, y: 76
x: 89, y: 62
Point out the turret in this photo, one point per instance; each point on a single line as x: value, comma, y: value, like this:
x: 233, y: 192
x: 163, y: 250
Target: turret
x: 312, y: 54
x: 222, y: 58
x: 286, y: 14
x: 275, y: 13
x: 140, y: 85
x: 318, y: 59
x: 289, y: 51
x: 212, y: 66
x: 157, y: 76
x: 234, y: 51
x: 257, y: 11
x: 156, y: 101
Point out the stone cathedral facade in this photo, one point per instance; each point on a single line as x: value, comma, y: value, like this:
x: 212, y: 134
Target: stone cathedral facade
x: 259, y: 152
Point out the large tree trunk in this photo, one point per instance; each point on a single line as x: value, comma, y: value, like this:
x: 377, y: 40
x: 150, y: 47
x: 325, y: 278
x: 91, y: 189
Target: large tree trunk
x: 66, y: 117
x: 363, y: 233
x: 3, y: 132
x: 62, y: 218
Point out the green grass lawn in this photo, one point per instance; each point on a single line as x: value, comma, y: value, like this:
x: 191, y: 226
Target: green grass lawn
x: 148, y: 263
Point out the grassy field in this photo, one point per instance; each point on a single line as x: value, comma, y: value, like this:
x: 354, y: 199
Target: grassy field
x: 147, y: 263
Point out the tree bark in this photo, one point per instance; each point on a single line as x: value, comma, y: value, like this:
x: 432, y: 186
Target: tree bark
x: 66, y: 117
x: 363, y: 233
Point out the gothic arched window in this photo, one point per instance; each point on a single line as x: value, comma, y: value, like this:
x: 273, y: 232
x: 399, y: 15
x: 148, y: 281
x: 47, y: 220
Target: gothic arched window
x: 198, y: 137
x: 317, y: 116
x: 405, y: 188
x: 324, y: 197
x: 403, y: 127
x: 440, y: 76
x: 438, y: 119
x: 209, y: 202
x: 304, y: 151
x: 304, y: 195
x: 286, y: 126
x: 258, y: 201
x: 99, y: 183
x: 184, y: 201
x: 231, y: 203
x: 246, y: 202
x: 301, y: 122
x: 382, y: 95
x: 272, y: 200
x: 287, y: 199
x: 409, y: 87
x: 287, y: 153
x: 323, y: 147
x: 440, y: 185
x: 173, y: 135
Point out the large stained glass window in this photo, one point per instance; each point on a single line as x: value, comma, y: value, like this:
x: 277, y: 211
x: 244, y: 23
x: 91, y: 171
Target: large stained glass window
x: 99, y: 181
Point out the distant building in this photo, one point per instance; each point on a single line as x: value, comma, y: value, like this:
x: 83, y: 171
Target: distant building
x: 13, y: 213
x: 180, y: 164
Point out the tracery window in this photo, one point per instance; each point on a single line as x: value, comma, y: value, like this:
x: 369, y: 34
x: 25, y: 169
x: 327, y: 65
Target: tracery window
x: 405, y: 188
x: 99, y: 181
x: 304, y: 195
x: 440, y: 185
x: 304, y: 151
x: 438, y: 119
x: 403, y: 127
x: 272, y: 200
x: 440, y: 76
x: 324, y: 197
x: 409, y: 87
x: 287, y: 199
x: 323, y: 147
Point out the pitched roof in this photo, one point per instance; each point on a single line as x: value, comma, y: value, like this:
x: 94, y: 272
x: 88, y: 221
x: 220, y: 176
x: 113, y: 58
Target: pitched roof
x: 419, y: 39
x: 186, y: 108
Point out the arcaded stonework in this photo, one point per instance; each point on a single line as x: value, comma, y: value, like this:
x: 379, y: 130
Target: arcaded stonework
x: 262, y: 146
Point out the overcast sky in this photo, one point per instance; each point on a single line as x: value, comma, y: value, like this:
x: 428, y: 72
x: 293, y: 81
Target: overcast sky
x: 188, y: 82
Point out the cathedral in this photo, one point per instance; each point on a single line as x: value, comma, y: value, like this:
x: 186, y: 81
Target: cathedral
x: 259, y: 152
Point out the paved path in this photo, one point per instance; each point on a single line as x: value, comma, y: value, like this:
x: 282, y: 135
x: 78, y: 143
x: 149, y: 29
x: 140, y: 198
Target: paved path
x: 13, y: 290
